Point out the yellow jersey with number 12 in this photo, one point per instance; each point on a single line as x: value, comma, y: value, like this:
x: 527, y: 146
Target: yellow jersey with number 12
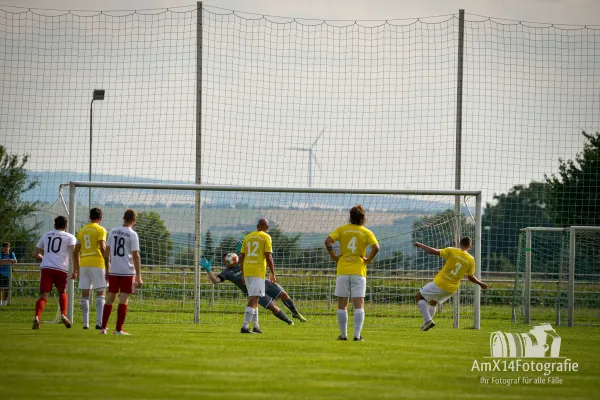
x: 354, y: 240
x: 88, y: 237
x: 255, y: 245
x: 458, y: 264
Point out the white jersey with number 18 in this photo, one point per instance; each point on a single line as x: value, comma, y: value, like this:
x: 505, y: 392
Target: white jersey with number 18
x: 122, y: 241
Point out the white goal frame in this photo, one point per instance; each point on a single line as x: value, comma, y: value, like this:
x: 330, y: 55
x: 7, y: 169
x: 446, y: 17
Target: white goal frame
x: 573, y: 230
x: 73, y: 185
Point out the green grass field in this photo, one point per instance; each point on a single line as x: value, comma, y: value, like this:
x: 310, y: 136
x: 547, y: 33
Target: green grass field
x: 286, y: 362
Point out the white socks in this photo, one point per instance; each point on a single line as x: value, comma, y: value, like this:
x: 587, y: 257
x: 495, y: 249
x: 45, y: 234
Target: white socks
x: 99, y: 309
x: 248, y: 317
x: 342, y: 317
x: 359, y: 319
x: 424, y: 308
x: 432, y: 310
x: 85, y: 311
x: 255, y: 318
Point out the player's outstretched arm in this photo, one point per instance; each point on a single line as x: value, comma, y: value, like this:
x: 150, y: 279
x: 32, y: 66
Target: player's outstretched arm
x: 476, y: 281
x: 430, y: 250
x: 206, y: 265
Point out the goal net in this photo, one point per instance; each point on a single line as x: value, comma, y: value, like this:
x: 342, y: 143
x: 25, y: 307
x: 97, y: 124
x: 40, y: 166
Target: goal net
x: 558, y: 276
x: 176, y: 291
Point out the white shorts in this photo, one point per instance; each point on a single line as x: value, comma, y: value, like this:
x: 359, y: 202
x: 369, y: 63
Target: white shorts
x: 431, y: 291
x: 92, y: 278
x: 354, y: 286
x: 255, y: 285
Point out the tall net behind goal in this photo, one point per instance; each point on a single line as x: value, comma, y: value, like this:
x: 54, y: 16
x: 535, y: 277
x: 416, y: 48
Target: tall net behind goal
x: 300, y: 222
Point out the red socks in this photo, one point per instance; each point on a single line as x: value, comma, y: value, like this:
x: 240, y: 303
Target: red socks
x: 39, y: 307
x: 63, y: 301
x: 106, y: 314
x: 121, y: 313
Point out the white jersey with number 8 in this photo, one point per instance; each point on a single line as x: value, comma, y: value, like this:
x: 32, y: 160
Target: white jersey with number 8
x: 122, y: 241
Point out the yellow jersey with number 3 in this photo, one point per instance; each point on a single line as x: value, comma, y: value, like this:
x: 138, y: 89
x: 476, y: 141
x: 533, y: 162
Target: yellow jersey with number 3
x: 254, y: 247
x: 458, y: 264
x: 354, y: 240
x: 90, y: 254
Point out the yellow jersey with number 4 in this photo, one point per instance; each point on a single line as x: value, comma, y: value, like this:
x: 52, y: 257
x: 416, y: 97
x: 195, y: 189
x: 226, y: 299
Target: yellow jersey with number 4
x: 458, y: 264
x: 354, y: 240
x: 90, y: 254
x: 255, y: 245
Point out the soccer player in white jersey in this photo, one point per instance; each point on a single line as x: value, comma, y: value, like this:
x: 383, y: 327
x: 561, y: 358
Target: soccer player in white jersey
x: 351, y: 280
x: 458, y: 264
x: 123, y: 266
x: 256, y: 255
x: 53, y: 251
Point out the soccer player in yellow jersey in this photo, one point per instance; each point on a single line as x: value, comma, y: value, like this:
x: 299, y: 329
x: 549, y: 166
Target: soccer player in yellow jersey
x: 256, y: 255
x: 352, y: 263
x: 89, y: 268
x: 458, y: 264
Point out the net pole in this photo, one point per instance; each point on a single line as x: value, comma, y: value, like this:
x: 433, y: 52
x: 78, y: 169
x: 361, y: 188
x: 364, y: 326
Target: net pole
x: 90, y: 160
x: 198, y: 193
x: 72, y: 219
x: 527, y: 305
x: 572, y: 243
x: 458, y: 161
x: 477, y: 294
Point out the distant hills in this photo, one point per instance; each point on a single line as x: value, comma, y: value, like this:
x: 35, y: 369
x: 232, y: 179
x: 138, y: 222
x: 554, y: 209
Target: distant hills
x: 47, y: 192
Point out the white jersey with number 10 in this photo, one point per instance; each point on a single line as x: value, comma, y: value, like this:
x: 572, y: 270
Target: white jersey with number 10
x: 57, y: 246
x: 122, y: 241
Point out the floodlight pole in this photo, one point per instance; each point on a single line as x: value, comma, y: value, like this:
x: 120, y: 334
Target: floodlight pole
x: 97, y: 95
x: 90, y: 174
x: 488, y: 229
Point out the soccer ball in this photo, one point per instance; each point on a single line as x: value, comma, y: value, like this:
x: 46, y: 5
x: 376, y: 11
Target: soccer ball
x: 231, y: 259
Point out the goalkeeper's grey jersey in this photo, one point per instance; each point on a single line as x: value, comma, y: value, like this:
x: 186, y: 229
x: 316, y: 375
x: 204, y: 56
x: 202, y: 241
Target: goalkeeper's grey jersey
x: 234, y: 275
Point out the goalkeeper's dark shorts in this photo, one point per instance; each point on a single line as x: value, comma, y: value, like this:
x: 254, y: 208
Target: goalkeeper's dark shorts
x: 272, y: 291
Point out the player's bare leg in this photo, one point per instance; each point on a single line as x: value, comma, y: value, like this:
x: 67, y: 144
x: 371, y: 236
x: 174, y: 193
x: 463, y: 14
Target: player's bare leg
x: 424, y: 308
x: 359, y: 317
x: 249, y: 315
x: 342, y: 317
x: 279, y: 313
x: 289, y: 303
x: 39, y: 309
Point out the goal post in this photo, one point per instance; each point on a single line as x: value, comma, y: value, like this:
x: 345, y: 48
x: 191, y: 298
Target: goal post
x: 557, y: 272
x: 300, y: 219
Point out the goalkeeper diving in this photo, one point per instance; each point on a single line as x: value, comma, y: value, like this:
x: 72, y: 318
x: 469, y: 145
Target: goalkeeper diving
x: 273, y: 291
x: 458, y: 264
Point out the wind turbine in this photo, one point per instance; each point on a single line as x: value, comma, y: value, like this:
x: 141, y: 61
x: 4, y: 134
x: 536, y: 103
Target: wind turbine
x: 311, y: 157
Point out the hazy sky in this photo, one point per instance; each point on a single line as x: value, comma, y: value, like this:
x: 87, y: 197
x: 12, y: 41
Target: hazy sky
x: 382, y: 94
